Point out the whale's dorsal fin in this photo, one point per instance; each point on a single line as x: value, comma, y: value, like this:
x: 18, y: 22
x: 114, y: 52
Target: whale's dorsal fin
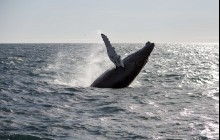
x: 114, y: 57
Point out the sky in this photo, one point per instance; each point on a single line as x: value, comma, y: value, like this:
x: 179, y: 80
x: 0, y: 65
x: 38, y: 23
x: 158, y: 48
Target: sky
x: 123, y: 21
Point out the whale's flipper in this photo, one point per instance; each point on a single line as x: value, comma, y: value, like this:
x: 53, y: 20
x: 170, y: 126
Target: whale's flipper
x: 114, y: 57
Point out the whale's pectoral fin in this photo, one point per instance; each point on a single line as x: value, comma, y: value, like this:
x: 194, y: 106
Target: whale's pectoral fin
x: 114, y: 57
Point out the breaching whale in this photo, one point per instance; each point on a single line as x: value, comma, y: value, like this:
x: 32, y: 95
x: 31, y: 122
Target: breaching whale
x: 121, y: 77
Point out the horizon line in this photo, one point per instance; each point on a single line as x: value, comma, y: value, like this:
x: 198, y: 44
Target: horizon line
x: 112, y: 42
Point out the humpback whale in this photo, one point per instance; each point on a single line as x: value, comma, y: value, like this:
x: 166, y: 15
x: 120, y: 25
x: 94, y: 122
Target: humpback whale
x: 121, y: 77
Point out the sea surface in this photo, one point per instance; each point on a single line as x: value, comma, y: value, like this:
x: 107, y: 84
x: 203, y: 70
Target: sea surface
x: 45, y: 93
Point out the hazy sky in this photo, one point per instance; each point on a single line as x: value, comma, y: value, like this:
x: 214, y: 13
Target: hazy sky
x: 80, y: 21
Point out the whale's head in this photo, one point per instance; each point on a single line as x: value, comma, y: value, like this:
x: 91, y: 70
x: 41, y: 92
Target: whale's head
x: 140, y: 57
x: 149, y: 47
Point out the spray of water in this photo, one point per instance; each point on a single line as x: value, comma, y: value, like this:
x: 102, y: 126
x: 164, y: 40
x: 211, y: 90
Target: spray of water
x: 96, y: 64
x: 79, y: 69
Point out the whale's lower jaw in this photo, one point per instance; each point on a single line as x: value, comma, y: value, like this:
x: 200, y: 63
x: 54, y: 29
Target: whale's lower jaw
x: 122, y: 77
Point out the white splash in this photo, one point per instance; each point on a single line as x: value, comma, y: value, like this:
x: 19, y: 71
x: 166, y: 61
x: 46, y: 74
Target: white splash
x: 95, y: 65
x: 79, y: 73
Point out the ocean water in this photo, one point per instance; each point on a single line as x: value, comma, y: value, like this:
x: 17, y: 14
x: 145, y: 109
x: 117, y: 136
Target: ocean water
x: 45, y: 93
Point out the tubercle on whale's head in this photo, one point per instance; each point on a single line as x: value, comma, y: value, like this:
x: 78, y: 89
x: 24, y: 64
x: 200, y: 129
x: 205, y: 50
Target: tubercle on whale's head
x: 149, y: 47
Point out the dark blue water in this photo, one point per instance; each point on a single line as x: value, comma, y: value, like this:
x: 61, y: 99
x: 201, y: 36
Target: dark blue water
x: 45, y: 93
